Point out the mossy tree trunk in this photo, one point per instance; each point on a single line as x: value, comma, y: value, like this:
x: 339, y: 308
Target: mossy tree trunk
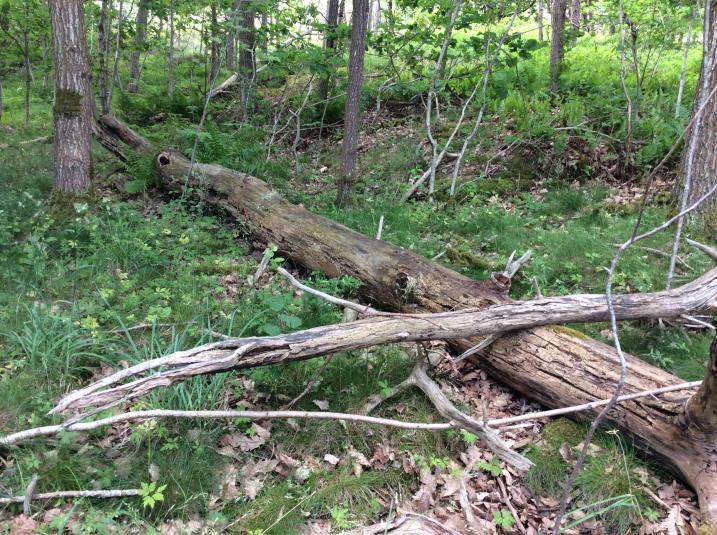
x: 72, y: 108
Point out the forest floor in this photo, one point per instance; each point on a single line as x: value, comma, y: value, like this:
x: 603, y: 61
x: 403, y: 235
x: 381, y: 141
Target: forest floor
x: 134, y: 273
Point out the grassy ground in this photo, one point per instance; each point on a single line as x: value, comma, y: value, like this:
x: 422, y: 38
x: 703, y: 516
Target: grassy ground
x: 135, y: 275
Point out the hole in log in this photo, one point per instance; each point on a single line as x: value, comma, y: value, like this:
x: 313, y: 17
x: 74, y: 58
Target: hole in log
x: 163, y: 160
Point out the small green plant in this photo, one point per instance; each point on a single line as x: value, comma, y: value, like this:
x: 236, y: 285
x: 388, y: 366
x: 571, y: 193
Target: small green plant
x: 504, y: 520
x: 151, y: 493
x: 493, y: 467
x: 339, y: 516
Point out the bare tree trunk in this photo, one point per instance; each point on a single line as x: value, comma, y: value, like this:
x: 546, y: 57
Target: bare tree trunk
x: 247, y: 55
x: 170, y: 54
x: 214, y: 38
x: 575, y: 15
x: 2, y: 100
x: 683, y: 71
x: 72, y: 111
x: 352, y: 119
x: 26, y: 57
x: 700, y: 158
x: 557, y: 45
x: 539, y: 8
x: 118, y: 48
x: 329, y: 44
x: 232, y: 36
x: 103, y: 36
x: 139, y: 38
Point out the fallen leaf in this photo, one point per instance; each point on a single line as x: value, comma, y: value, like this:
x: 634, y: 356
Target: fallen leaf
x: 23, y: 525
x: 322, y: 404
x: 331, y: 459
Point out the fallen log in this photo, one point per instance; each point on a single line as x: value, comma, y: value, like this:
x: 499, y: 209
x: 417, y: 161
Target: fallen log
x: 554, y: 366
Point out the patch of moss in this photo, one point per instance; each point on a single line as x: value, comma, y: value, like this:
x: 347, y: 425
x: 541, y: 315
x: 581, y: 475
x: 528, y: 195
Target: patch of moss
x: 569, y: 331
x: 67, y: 102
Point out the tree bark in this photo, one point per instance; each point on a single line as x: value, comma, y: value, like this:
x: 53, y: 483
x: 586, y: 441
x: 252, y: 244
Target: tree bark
x: 214, y: 38
x: 72, y: 111
x: 140, y: 36
x: 352, y: 111
x: 699, y: 160
x: 557, y: 45
x: 26, y: 58
x: 232, y: 36
x: 170, y: 53
x: 115, y: 64
x: 247, y: 55
x: 332, y: 18
x: 555, y: 366
x: 539, y: 8
x: 575, y: 15
x: 103, y: 36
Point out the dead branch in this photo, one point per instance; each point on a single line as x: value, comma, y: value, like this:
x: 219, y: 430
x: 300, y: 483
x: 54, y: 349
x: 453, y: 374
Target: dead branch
x: 384, y: 329
x: 73, y: 494
x: 500, y: 423
x: 709, y: 251
x: 444, y: 406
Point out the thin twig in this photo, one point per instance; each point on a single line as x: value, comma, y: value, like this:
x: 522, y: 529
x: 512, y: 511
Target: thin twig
x: 487, y: 341
x: 362, y: 309
x: 27, y: 434
x: 310, y: 384
x: 29, y: 491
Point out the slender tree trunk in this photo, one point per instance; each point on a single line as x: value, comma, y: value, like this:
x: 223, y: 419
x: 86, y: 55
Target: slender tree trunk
x: 103, y: 36
x: 232, y: 36
x: 352, y: 119
x: 329, y: 44
x: 118, y: 48
x: 342, y: 10
x: 575, y: 15
x: 557, y: 45
x: 2, y: 99
x: 683, y: 71
x: 214, y: 38
x: 539, y: 8
x: 247, y: 55
x: 140, y: 36
x: 72, y: 112
x: 700, y: 158
x: 265, y: 40
x: 26, y: 57
x: 170, y: 54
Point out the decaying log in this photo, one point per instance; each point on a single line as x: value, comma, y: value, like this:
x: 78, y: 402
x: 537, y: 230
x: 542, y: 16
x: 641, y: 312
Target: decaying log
x: 552, y: 365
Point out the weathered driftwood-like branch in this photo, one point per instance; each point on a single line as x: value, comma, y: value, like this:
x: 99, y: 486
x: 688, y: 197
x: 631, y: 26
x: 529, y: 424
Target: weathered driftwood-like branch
x: 247, y: 415
x: 444, y: 406
x: 376, y: 330
x: 120, y: 493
